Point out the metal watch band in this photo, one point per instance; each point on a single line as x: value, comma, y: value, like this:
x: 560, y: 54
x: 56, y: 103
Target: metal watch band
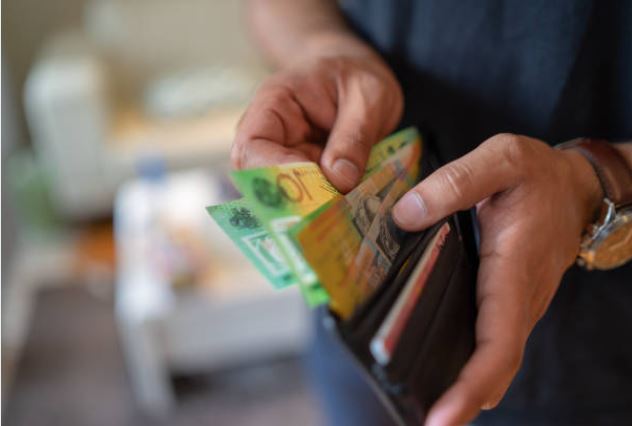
x: 613, y: 171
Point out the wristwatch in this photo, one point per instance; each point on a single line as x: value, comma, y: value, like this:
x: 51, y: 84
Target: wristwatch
x: 607, y: 243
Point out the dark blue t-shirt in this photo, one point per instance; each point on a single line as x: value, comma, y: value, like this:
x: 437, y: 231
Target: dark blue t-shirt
x: 554, y: 70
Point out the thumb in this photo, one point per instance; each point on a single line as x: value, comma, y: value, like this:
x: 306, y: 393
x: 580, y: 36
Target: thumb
x: 461, y: 184
x: 350, y: 141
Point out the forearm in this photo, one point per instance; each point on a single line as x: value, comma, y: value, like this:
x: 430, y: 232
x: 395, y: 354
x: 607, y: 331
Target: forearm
x: 289, y: 30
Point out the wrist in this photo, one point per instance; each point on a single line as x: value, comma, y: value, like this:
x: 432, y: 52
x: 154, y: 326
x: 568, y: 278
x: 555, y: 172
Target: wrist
x: 586, y: 185
x: 336, y: 44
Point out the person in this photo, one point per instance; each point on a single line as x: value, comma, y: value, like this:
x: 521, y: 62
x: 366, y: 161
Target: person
x: 494, y: 84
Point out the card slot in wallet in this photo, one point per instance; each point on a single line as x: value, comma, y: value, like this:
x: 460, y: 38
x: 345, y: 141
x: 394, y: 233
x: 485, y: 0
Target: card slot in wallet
x: 444, y: 350
x: 415, y: 332
x: 439, y: 349
x: 448, y: 345
x: 362, y: 326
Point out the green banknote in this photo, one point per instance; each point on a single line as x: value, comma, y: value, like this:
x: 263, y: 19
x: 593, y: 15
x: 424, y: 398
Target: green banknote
x: 239, y: 222
x: 281, y: 196
x: 385, y: 150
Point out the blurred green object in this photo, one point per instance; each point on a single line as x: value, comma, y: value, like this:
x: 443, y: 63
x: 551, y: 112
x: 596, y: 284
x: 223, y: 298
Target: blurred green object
x: 30, y: 194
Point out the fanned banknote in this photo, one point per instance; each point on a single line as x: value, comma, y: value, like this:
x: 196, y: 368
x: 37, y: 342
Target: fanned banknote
x: 380, y: 244
x: 352, y: 241
x: 281, y: 196
x: 386, y: 149
x: 239, y: 222
x: 292, y: 196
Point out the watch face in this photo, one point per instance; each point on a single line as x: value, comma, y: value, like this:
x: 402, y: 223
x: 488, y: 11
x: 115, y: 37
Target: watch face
x: 612, y: 247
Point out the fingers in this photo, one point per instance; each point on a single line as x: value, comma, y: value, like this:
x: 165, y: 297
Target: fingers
x: 273, y: 130
x: 481, y: 386
x: 360, y: 123
x: 494, y: 166
x: 262, y: 152
x: 501, y: 331
x: 355, y: 103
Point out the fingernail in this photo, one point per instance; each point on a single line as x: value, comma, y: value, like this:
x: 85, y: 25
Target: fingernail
x: 409, y: 211
x: 346, y: 171
x: 439, y: 419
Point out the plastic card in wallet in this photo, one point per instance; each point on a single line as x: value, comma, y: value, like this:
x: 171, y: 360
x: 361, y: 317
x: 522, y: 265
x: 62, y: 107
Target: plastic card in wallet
x: 428, y: 305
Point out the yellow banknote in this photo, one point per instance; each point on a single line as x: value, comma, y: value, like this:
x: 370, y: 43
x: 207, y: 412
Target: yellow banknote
x: 332, y: 240
x: 356, y: 231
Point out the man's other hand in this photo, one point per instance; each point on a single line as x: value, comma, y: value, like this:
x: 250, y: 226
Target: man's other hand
x: 533, y: 203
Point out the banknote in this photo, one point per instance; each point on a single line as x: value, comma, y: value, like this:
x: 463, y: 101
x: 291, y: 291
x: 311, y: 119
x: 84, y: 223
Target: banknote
x: 281, y: 196
x: 381, y: 241
x: 351, y: 241
x: 289, y: 197
x: 284, y: 195
x: 239, y: 222
x: 386, y: 148
x: 380, y: 244
x: 332, y: 240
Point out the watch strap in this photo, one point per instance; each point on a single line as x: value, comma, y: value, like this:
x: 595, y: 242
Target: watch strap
x: 611, y: 167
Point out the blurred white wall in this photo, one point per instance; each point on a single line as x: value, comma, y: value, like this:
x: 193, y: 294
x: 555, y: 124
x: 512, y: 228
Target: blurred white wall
x: 143, y: 39
x: 26, y: 25
x: 141, y: 36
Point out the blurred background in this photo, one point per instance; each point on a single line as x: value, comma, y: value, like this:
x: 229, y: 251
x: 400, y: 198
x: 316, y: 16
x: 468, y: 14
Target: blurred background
x: 122, y: 302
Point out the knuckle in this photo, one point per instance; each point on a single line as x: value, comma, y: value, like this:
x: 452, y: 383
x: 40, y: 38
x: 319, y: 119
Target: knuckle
x: 372, y: 82
x: 237, y: 154
x: 516, y: 150
x: 276, y: 88
x: 341, y: 65
x: 517, y: 153
x: 244, y: 134
x: 336, y: 62
x: 456, y: 177
x: 504, y: 139
x: 278, y: 95
x: 356, y: 140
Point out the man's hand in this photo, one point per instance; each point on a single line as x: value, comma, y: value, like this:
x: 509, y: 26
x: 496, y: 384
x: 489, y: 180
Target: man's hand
x: 329, y: 110
x: 533, y: 204
x: 332, y: 99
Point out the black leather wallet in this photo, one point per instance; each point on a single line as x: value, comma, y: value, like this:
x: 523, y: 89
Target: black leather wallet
x: 439, y: 335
